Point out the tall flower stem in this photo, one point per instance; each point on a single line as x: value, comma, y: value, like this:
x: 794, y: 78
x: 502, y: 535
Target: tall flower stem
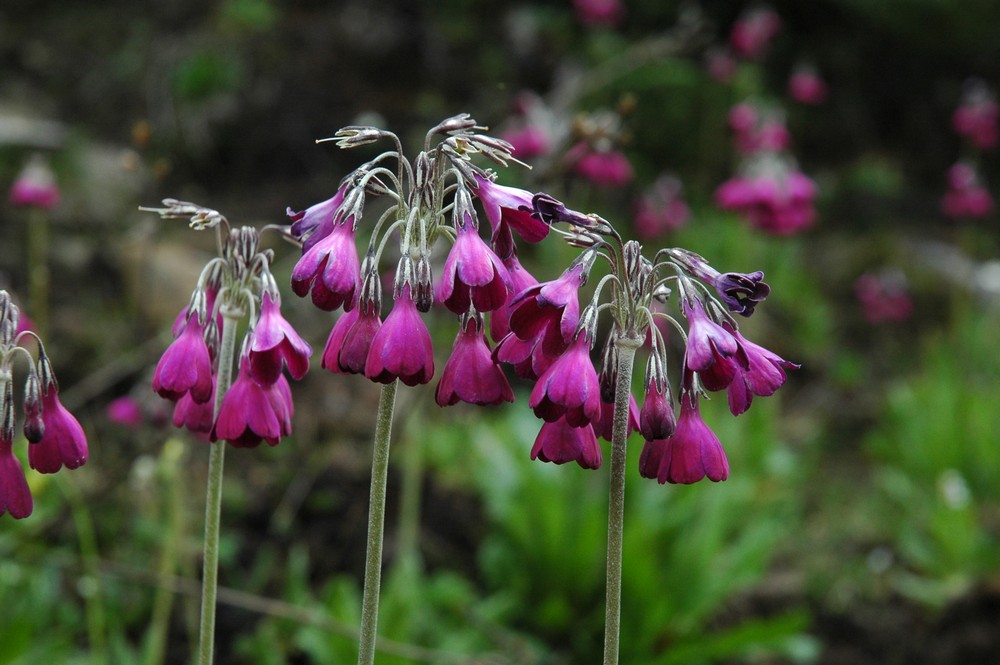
x: 38, y: 270
x: 213, y: 495
x: 376, y: 524
x: 616, y: 501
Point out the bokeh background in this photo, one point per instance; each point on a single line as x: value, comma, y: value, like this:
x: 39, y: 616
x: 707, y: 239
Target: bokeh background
x: 860, y: 522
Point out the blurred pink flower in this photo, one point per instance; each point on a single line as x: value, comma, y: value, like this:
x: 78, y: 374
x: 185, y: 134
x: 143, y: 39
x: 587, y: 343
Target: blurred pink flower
x: 660, y: 209
x: 966, y: 196
x: 977, y: 116
x: 35, y: 186
x: 753, y: 31
x: 884, y: 297
x: 599, y: 12
x: 805, y: 85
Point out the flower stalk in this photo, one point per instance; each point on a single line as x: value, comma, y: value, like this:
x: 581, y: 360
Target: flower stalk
x: 376, y: 524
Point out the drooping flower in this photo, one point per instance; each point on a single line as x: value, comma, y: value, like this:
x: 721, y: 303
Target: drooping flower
x: 549, y: 311
x: 193, y: 416
x: 656, y: 418
x: 762, y: 376
x: 604, y: 427
x: 473, y: 274
x: 317, y: 221
x: 609, y: 168
x: 335, y: 341
x: 401, y: 349
x: 772, y: 194
x: 518, y: 279
x: 357, y: 340
x: 63, y: 443
x: 15, y: 497
x: 185, y: 366
x: 330, y: 269
x: 273, y: 343
x: 508, y: 209
x: 741, y: 292
x: 559, y: 442
x: 126, y: 411
x: 692, y: 453
x: 570, y: 387
x: 660, y: 209
x: 712, y: 351
x: 884, y: 297
x: 977, y: 118
x: 753, y: 31
x: 247, y: 414
x: 529, y: 141
x: 470, y: 374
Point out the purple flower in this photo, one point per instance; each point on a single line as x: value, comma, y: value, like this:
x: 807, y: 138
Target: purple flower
x: 247, y: 414
x: 274, y: 342
x: 604, y: 427
x: 63, y: 443
x: 528, y: 357
x: 317, y: 221
x: 470, y: 374
x: 401, y: 349
x: 740, y: 291
x: 472, y: 274
x: 549, y: 311
x: 509, y: 208
x: 358, y: 338
x: 335, y: 342
x: 599, y: 12
x: 185, y: 366
x: 657, y: 419
x: 194, y: 417
x: 764, y: 374
x: 712, y: 351
x: 559, y: 442
x: 330, y: 269
x: 15, y: 497
x: 570, y: 388
x: 125, y: 410
x: 605, y: 169
x: 692, y: 453
x: 518, y: 279
x: 35, y: 187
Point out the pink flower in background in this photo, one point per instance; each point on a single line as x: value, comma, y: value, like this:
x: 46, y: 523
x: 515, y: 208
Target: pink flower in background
x: 884, y: 297
x: 805, y: 85
x: 720, y: 63
x: 606, y: 168
x: 758, y: 130
x: 772, y: 194
x: 125, y: 411
x: 660, y: 209
x: 529, y: 141
x: 753, y: 31
x: 35, y: 186
x: 599, y: 12
x: 978, y: 115
x: 966, y: 196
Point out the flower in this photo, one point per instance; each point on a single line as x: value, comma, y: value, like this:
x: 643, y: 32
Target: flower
x: 529, y: 141
x: 401, y: 349
x: 549, y: 311
x: 35, y: 186
x: 125, y: 410
x: 509, y: 209
x: 604, y: 168
x: 740, y: 291
x: 660, y: 209
x: 193, y: 416
x: 752, y: 32
x: 185, y: 366
x: 357, y: 341
x: 884, y: 297
x: 518, y: 279
x: 966, y: 196
x: 805, y: 85
x: 559, y: 442
x: 63, y: 443
x: 692, y: 453
x: 247, y: 414
x: 657, y: 419
x: 772, y: 194
x: 977, y: 117
x: 712, y: 351
x: 470, y: 374
x: 570, y: 387
x: 317, y: 221
x: 15, y: 497
x: 273, y: 343
x: 473, y: 274
x: 599, y: 12
x: 330, y: 269
x: 604, y: 427
x: 335, y: 341
x: 763, y: 374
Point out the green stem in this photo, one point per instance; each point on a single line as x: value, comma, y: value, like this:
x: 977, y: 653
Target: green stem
x: 616, y: 500
x: 411, y: 487
x: 213, y: 496
x: 93, y: 598
x: 376, y: 524
x: 38, y: 269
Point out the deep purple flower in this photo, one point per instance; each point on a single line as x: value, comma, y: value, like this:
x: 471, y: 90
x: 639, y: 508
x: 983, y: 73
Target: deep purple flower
x: 335, y: 341
x: 712, y: 351
x: 274, y: 342
x: 657, y: 419
x: 470, y: 374
x: 569, y: 388
x: 185, y: 366
x: 472, y: 274
x: 402, y: 347
x: 357, y: 342
x: 194, y: 417
x: 740, y: 291
x: 692, y: 453
x: 317, y: 221
x: 509, y: 209
x: 15, y: 497
x: 604, y: 427
x: 518, y: 279
x: 559, y: 442
x: 63, y: 443
x: 247, y: 414
x: 764, y: 374
x: 330, y: 269
x: 549, y: 311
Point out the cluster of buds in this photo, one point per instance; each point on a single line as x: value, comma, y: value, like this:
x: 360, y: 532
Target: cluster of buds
x: 768, y: 189
x: 429, y: 198
x: 551, y: 339
x: 55, y: 438
x: 976, y: 121
x: 195, y: 370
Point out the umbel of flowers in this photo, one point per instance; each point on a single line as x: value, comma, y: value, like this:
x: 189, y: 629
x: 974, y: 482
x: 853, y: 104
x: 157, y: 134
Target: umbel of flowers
x: 428, y: 198
x: 552, y: 337
x: 196, y: 370
x: 55, y: 438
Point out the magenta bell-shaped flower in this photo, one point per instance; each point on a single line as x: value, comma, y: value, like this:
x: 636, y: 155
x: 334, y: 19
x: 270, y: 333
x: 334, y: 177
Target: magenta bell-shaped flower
x: 248, y: 415
x: 692, y: 453
x: 549, y: 311
x: 764, y: 374
x: 401, y: 349
x: 657, y: 419
x: 195, y: 417
x: 335, y: 341
x: 559, y: 442
x: 570, y: 388
x: 509, y: 209
x: 274, y: 343
x: 353, y: 354
x: 185, y: 366
x: 604, y: 427
x: 470, y: 374
x: 330, y: 269
x: 518, y: 279
x: 317, y: 221
x: 712, y: 351
x: 63, y: 443
x: 15, y: 497
x: 472, y: 274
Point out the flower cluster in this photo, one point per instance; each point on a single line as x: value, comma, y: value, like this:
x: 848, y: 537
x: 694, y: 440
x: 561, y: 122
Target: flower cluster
x: 195, y: 370
x: 769, y: 190
x: 978, y: 116
x: 753, y: 31
x: 976, y: 121
x: 551, y: 338
x: 430, y: 197
x: 55, y: 438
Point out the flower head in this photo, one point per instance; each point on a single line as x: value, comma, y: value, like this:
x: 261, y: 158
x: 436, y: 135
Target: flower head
x: 692, y: 453
x: 470, y: 374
